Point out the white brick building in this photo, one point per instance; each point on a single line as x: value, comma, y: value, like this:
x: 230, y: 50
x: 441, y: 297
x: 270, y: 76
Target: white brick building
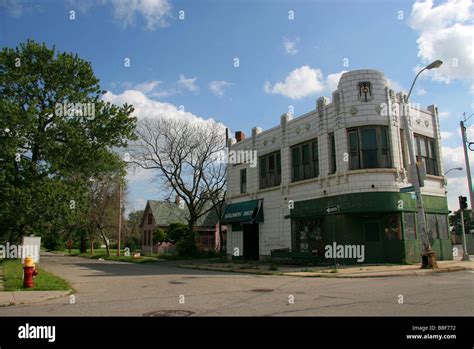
x: 359, y: 175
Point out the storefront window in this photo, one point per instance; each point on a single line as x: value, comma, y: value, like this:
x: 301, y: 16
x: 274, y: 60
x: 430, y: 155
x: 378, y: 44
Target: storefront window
x: 391, y: 227
x: 442, y: 226
x: 307, y: 236
x: 409, y: 226
x: 431, y: 226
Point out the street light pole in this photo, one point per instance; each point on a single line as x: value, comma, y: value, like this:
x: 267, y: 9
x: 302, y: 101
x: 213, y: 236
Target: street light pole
x: 428, y: 256
x: 466, y: 158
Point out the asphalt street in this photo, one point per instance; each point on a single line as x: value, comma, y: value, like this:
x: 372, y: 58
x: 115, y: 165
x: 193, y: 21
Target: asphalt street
x: 114, y: 288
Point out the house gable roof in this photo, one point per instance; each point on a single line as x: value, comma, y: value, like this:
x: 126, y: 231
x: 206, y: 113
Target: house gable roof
x: 166, y: 213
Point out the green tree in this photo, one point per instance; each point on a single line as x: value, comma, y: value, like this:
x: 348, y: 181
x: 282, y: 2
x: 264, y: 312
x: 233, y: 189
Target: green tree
x: 455, y: 222
x: 56, y: 132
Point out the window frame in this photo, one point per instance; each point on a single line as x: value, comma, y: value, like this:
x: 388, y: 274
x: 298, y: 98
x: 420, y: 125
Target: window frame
x: 302, y: 168
x: 430, y: 159
x: 267, y: 178
x: 332, y: 153
x: 243, y: 181
x: 357, y: 159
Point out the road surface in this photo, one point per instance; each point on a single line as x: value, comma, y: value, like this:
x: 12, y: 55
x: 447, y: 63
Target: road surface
x: 114, y: 288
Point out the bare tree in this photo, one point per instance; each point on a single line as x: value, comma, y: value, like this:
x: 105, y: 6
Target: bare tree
x: 103, y: 193
x: 188, y: 156
x: 217, y: 192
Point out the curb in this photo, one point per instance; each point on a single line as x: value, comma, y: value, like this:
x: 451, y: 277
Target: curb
x: 417, y: 272
x: 13, y: 301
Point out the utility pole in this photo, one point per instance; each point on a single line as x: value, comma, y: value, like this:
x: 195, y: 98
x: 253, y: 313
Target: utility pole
x: 465, y: 254
x: 428, y: 258
x: 466, y: 158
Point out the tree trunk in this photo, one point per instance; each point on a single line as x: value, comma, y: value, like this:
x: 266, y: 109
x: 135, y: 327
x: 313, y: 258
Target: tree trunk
x: 106, y: 242
x: 221, y: 246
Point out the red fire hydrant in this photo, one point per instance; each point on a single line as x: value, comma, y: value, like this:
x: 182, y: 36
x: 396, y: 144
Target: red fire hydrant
x: 29, y: 272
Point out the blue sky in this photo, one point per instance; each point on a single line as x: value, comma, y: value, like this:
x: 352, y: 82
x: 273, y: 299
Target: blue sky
x: 282, y: 61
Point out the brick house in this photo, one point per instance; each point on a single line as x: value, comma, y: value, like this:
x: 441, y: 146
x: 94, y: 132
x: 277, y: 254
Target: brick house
x: 160, y: 214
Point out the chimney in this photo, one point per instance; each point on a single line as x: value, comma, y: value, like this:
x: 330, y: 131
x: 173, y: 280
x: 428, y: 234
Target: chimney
x: 239, y: 136
x: 177, y: 200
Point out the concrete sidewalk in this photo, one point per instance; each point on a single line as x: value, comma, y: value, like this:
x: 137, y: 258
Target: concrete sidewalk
x: 362, y: 271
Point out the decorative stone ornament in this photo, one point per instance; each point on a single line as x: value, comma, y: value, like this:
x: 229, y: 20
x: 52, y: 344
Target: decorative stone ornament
x: 365, y: 91
x: 298, y: 130
x: 427, y: 123
x: 353, y: 111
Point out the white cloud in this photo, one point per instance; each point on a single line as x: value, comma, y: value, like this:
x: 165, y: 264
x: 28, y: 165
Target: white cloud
x: 332, y: 80
x: 445, y: 33
x: 446, y: 134
x: 188, y: 83
x: 444, y: 114
x: 301, y: 82
x: 290, y: 46
x: 421, y: 92
x: 148, y: 86
x: 152, y: 89
x: 155, y: 13
x: 394, y: 85
x: 304, y: 81
x: 218, y: 87
x: 149, y: 108
x: 16, y: 8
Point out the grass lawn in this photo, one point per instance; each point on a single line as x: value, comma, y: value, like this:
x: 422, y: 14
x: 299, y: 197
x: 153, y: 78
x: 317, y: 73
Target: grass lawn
x: 102, y: 253
x: 44, y: 281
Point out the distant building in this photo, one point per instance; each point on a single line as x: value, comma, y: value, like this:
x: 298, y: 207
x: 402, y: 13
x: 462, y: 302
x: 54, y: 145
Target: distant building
x: 160, y: 214
x: 335, y: 174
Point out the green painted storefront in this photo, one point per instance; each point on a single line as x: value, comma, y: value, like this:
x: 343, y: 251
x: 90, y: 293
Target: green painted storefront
x: 384, y: 222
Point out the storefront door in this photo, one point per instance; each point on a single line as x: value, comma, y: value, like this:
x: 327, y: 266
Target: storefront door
x: 373, y: 241
x: 251, y: 244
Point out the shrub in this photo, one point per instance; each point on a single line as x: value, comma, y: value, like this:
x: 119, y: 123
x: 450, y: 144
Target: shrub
x: 187, y: 247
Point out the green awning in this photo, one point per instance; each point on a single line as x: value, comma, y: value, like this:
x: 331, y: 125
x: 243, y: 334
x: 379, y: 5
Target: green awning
x: 247, y: 211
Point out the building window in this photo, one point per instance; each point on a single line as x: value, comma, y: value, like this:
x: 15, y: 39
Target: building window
x: 391, y: 226
x: 305, y: 160
x: 425, y: 151
x: 150, y: 218
x: 409, y: 226
x: 442, y: 226
x: 369, y: 148
x: 404, y: 152
x: 332, y: 153
x: 307, y: 236
x: 243, y: 181
x: 431, y: 226
x: 270, y: 170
